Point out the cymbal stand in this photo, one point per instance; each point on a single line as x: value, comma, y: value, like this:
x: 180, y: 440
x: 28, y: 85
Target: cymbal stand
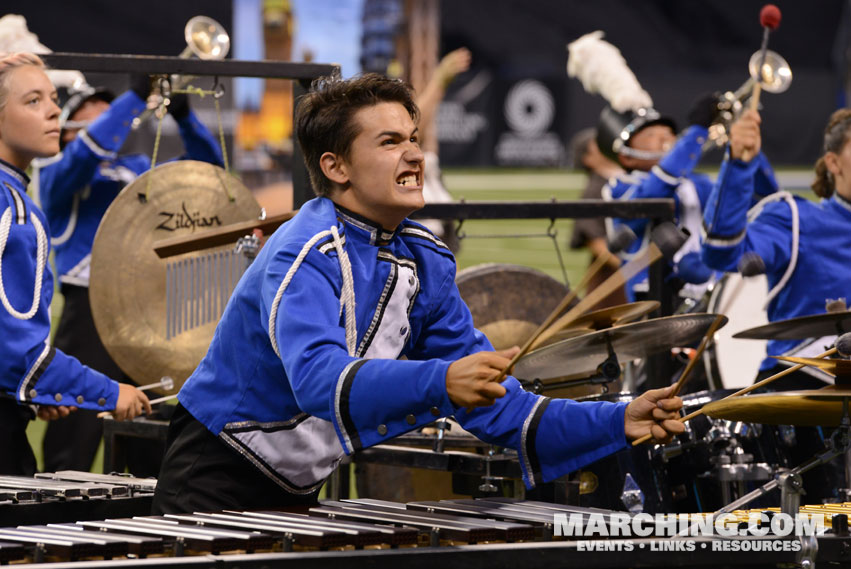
x: 608, y: 371
x: 732, y: 466
x: 790, y: 483
x: 610, y: 368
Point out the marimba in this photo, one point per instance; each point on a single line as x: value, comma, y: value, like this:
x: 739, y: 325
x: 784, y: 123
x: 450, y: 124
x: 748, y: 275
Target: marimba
x: 494, y: 532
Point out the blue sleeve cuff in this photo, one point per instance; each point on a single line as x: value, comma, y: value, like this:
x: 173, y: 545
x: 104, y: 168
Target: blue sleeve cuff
x: 371, y: 407
x: 62, y: 380
x: 574, y: 434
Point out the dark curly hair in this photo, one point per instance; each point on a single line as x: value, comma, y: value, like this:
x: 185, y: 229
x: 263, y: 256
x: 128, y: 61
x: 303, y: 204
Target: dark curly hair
x: 325, y: 122
x: 836, y: 134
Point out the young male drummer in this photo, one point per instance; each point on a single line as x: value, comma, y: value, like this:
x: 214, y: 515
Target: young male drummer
x: 306, y: 364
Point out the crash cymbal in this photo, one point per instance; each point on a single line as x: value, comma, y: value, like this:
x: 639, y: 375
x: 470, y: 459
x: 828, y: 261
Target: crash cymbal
x: 615, y: 315
x: 128, y: 280
x: 508, y: 302
x: 567, y: 334
x: 816, y: 407
x: 636, y: 340
x: 828, y: 324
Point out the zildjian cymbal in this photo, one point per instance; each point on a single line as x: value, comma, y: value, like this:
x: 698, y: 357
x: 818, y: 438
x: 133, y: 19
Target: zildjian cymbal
x: 128, y: 280
x: 828, y: 324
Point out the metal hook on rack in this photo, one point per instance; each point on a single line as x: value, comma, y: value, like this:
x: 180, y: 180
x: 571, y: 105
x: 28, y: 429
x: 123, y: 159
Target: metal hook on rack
x: 552, y: 233
x: 218, y: 88
x: 459, y: 233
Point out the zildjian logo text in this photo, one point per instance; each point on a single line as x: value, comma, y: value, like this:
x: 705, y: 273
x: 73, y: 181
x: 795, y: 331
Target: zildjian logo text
x: 185, y: 220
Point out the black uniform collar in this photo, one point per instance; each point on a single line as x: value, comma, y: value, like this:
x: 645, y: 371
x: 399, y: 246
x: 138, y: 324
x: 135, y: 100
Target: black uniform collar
x: 377, y: 234
x: 15, y: 172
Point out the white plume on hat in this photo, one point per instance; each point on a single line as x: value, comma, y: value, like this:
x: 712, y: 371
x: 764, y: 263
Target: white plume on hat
x: 15, y: 36
x: 602, y: 69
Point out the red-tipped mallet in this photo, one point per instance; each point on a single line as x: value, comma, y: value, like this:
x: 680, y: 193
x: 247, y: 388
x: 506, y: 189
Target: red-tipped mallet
x: 769, y: 19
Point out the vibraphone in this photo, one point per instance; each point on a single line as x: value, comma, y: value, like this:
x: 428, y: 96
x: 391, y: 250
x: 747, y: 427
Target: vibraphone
x: 71, y: 495
x: 497, y: 533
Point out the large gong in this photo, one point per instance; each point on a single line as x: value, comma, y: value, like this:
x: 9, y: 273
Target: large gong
x: 128, y: 281
x: 508, y: 302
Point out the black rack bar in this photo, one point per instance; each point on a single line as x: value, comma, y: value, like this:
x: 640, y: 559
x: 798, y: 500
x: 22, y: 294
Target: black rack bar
x: 301, y: 73
x: 656, y: 209
x: 162, y: 65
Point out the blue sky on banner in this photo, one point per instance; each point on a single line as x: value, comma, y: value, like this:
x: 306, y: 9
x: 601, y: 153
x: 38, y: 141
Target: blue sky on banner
x: 330, y: 29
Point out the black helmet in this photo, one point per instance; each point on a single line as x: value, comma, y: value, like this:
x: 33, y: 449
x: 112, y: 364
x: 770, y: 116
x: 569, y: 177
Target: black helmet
x: 615, y: 129
x: 76, y: 100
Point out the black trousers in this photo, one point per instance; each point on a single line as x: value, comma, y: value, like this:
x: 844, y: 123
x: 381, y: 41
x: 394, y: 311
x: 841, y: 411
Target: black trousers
x: 16, y: 456
x: 71, y: 443
x: 200, y: 473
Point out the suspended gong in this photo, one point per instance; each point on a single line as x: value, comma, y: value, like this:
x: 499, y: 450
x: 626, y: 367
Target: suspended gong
x: 128, y: 280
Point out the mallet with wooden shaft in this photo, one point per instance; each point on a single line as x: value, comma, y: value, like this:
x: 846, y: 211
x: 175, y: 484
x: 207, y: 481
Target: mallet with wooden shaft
x: 623, y: 237
x: 769, y: 18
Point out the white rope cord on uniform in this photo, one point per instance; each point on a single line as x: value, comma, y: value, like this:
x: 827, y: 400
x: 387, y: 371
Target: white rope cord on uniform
x: 72, y: 223
x: 41, y: 262
x: 347, y: 296
x: 754, y: 212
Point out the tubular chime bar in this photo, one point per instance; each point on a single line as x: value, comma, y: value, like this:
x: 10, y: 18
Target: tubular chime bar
x: 198, y: 288
x: 452, y: 534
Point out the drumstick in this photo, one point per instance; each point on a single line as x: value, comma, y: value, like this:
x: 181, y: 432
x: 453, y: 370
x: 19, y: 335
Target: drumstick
x: 707, y: 338
x: 748, y: 389
x: 622, y: 238
x: 571, y: 295
x: 608, y: 286
x: 546, y: 330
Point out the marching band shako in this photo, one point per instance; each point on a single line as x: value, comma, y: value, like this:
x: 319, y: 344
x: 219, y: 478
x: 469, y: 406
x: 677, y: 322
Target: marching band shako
x: 615, y: 129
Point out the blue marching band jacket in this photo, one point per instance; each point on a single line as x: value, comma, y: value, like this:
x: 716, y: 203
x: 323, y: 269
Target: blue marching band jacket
x: 77, y: 185
x: 802, y: 243
x: 31, y: 370
x: 339, y: 337
x: 672, y: 177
